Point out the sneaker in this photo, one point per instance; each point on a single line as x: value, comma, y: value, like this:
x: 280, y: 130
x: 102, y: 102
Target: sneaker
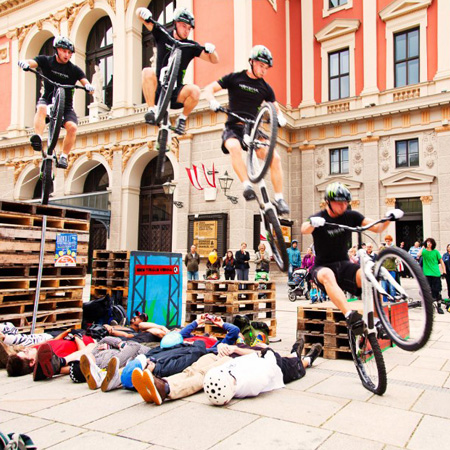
x: 249, y: 193
x: 440, y: 310
x: 180, y: 127
x: 48, y: 361
x: 93, y: 374
x: 36, y: 142
x: 282, y: 206
x: 150, y: 117
x: 156, y: 386
x: 139, y: 384
x: 355, y: 322
x: 62, y: 163
x: 112, y: 377
x: 298, y: 346
x: 314, y: 352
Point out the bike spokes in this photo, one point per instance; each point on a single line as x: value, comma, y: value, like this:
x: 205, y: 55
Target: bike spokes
x: 275, y: 239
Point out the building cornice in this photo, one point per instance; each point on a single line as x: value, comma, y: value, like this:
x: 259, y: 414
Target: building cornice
x: 10, y: 6
x: 402, y: 7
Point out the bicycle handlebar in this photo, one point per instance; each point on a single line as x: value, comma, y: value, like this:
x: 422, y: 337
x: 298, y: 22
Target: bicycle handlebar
x: 65, y: 86
x: 359, y: 229
x: 231, y: 113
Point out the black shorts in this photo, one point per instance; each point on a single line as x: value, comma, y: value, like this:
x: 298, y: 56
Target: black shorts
x: 173, y: 100
x: 233, y: 132
x: 69, y: 114
x: 345, y: 273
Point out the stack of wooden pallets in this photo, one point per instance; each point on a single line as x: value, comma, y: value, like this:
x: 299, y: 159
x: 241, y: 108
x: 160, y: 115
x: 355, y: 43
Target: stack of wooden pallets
x: 225, y: 299
x: 61, y: 292
x: 110, y: 274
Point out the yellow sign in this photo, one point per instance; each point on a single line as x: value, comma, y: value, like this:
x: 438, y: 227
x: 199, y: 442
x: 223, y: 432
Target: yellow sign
x: 205, y: 236
x: 286, y: 230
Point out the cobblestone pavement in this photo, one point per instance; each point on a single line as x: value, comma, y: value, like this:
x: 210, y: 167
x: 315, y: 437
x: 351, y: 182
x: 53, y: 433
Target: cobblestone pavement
x: 327, y: 409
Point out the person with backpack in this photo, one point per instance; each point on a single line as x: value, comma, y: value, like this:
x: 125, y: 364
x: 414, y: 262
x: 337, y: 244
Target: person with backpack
x: 229, y: 266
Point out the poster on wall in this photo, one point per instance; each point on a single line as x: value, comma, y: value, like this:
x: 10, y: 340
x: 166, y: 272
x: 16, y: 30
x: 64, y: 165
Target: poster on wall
x: 205, y: 236
x: 66, y: 250
x: 286, y: 230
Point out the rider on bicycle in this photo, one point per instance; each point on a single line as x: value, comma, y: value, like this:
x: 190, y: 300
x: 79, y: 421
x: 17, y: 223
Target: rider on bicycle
x: 247, y: 90
x: 184, y: 96
x: 332, y: 271
x: 59, y: 69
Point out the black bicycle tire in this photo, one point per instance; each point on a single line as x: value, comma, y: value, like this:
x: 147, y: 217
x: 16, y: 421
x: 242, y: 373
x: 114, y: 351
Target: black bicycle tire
x: 163, y: 136
x: 254, y: 176
x: 279, y: 252
x: 166, y: 92
x: 55, y: 120
x: 427, y: 301
x: 366, y: 380
x: 46, y: 179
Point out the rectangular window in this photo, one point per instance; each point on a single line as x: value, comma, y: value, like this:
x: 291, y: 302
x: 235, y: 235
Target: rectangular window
x: 406, y: 57
x: 338, y: 161
x: 335, y: 3
x: 339, y: 74
x: 407, y: 153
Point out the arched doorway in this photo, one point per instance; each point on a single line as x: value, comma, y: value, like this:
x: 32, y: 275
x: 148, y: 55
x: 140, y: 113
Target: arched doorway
x: 155, y: 210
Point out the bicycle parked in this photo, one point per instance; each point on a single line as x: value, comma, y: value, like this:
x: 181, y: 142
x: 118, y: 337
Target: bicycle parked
x: 261, y: 134
x: 55, y: 114
x: 406, y: 317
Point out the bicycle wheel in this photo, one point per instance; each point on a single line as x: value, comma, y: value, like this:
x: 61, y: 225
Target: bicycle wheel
x: 262, y: 136
x: 55, y: 119
x: 163, y: 135
x: 167, y: 84
x: 408, y: 317
x: 369, y: 361
x: 275, y: 239
x: 47, y: 182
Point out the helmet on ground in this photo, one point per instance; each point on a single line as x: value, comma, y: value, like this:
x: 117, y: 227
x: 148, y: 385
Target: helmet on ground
x: 171, y: 339
x: 261, y: 53
x: 63, y: 42
x: 219, y: 386
x: 184, y: 15
x: 337, y: 192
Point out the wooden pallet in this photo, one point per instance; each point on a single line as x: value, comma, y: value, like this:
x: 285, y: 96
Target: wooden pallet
x: 112, y: 254
x: 230, y: 286
x: 220, y: 332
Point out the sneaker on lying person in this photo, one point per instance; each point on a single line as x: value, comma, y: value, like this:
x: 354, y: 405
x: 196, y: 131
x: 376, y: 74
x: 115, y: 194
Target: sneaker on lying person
x: 314, y: 352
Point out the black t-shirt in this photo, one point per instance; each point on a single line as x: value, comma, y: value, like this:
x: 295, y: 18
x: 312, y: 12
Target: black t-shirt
x: 245, y: 94
x: 60, y: 73
x: 332, y: 244
x: 164, y: 47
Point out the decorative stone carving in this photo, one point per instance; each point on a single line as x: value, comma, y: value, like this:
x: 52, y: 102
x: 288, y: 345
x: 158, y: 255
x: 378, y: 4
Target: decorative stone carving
x: 108, y: 155
x: 429, y: 146
x: 320, y: 162
x: 19, y: 33
x: 18, y: 167
x: 390, y: 202
x: 175, y: 147
x: 73, y: 10
x: 355, y: 203
x: 125, y: 4
x: 112, y: 3
x: 385, y: 145
x: 358, y: 159
x: 127, y: 153
x: 426, y: 199
x: 72, y: 160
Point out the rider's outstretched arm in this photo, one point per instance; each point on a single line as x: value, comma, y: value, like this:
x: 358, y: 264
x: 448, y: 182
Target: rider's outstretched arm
x: 210, y: 90
x: 210, y: 54
x: 142, y: 14
x: 28, y: 64
x: 306, y: 228
x: 378, y: 228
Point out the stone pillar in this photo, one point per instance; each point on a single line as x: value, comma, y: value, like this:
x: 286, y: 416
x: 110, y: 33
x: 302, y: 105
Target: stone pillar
x: 443, y: 179
x: 443, y: 34
x: 426, y: 214
x: 17, y: 87
x: 308, y: 79
x: 390, y: 204
x: 243, y: 33
x: 95, y: 109
x: 115, y: 187
x: 370, y: 16
x: 310, y: 202
x: 371, y: 177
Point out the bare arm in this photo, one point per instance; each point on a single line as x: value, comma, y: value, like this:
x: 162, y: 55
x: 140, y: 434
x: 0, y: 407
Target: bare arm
x: 211, y: 89
x: 210, y: 57
x: 441, y: 263
x: 306, y: 228
x: 378, y: 228
x: 148, y: 25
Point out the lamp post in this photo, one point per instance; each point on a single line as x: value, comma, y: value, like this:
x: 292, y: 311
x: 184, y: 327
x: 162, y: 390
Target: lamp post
x: 169, y: 188
x: 225, y: 182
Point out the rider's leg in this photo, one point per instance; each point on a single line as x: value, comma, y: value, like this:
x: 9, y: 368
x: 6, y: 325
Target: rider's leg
x: 235, y: 150
x: 39, y: 119
x: 189, y: 97
x: 326, y: 277
x: 69, y: 140
x: 149, y: 84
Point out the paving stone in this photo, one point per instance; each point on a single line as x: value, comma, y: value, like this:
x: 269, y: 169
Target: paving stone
x: 6, y: 415
x: 418, y: 375
x: 434, y: 404
x: 343, y: 441
x: 198, y: 427
x: 397, y: 396
x: 311, y: 378
x: 427, y: 362
x: 269, y: 434
x: 338, y: 365
x: 431, y: 434
x: 53, y: 434
x: 446, y: 367
x: 23, y: 424
x: 295, y: 406
x: 345, y: 387
x: 353, y: 420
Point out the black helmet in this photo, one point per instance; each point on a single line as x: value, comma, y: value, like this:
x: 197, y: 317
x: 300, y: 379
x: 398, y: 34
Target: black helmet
x: 337, y: 192
x: 261, y: 53
x: 63, y: 42
x: 184, y: 15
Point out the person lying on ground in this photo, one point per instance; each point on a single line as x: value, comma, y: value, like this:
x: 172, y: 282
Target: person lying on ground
x: 10, y: 335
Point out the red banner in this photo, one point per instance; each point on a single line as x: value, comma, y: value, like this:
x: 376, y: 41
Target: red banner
x: 156, y: 270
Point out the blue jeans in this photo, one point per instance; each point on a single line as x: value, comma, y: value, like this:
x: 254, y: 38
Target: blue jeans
x: 388, y: 287
x: 192, y: 275
x: 242, y: 274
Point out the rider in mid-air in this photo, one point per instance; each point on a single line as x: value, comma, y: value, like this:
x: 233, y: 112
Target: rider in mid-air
x: 183, y: 96
x: 247, y: 90
x: 59, y: 69
x: 332, y: 271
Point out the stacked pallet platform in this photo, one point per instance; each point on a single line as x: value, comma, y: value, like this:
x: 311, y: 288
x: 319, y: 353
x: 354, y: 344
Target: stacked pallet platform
x: 224, y: 298
x: 110, y: 274
x: 61, y: 291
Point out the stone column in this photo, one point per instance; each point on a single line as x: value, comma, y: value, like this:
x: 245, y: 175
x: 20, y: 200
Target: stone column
x: 370, y: 16
x: 443, y: 34
x: 115, y: 187
x: 310, y: 202
x: 308, y: 79
x: 426, y: 214
x: 390, y: 204
x: 17, y: 87
x: 243, y: 33
x: 371, y: 177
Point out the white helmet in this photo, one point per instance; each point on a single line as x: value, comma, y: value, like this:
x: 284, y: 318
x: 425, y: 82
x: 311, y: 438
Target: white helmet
x: 219, y: 386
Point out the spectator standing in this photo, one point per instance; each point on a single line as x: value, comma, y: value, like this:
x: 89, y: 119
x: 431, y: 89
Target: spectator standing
x: 229, y: 266
x: 391, y: 266
x: 242, y: 266
x: 307, y: 263
x: 431, y: 261
x: 192, y: 261
x: 369, y: 251
x: 446, y: 259
x: 262, y: 259
x: 414, y: 250
x: 352, y: 256
x: 295, y: 258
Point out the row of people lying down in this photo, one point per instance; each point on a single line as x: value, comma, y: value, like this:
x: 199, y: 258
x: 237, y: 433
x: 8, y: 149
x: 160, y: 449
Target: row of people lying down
x: 181, y: 365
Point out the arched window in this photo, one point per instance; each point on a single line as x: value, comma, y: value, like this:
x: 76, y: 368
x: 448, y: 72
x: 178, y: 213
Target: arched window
x: 97, y: 180
x: 162, y: 11
x: 99, y: 52
x: 47, y: 50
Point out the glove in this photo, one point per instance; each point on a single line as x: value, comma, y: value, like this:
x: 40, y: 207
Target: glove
x: 394, y: 214
x: 89, y: 87
x: 214, y: 105
x: 144, y: 14
x: 317, y: 221
x: 24, y: 65
x: 210, y: 48
x: 281, y: 120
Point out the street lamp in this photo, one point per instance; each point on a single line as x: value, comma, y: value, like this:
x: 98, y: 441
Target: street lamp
x: 225, y: 182
x: 169, y: 188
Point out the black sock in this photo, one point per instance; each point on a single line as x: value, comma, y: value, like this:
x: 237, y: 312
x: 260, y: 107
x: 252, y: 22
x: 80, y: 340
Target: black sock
x: 63, y: 362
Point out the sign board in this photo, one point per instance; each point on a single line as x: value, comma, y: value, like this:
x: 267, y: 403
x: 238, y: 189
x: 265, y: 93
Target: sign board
x: 286, y: 230
x: 66, y: 249
x: 205, y: 236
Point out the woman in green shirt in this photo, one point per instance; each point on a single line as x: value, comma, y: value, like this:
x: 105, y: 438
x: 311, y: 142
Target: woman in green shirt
x: 431, y: 261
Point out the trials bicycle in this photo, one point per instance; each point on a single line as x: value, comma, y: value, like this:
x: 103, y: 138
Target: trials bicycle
x: 55, y: 115
x: 260, y: 135
x: 167, y: 82
x: 405, y: 311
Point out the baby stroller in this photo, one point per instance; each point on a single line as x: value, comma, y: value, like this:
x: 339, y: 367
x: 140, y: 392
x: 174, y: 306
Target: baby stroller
x: 298, y: 287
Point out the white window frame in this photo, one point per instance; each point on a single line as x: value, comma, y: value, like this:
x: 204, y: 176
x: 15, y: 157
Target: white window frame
x: 327, y: 11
